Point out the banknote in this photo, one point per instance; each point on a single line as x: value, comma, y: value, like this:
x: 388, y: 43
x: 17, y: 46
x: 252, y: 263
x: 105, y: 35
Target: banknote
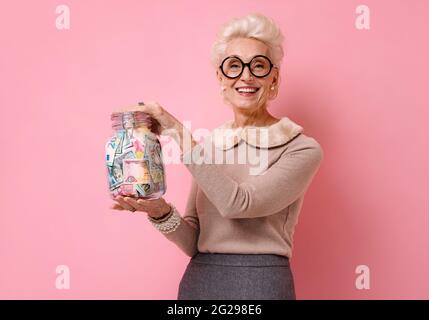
x: 113, y: 142
x: 134, y: 164
x: 142, y: 189
x: 115, y: 177
x: 157, y: 174
x: 127, y: 140
x: 121, y: 135
x: 136, y: 171
x: 139, y: 149
x: 115, y: 172
x: 127, y: 189
x: 110, y: 154
x: 154, y: 155
x: 110, y: 148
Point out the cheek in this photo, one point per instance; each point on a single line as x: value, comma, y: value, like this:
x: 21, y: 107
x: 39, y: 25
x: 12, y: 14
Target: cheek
x: 231, y: 90
x: 265, y: 90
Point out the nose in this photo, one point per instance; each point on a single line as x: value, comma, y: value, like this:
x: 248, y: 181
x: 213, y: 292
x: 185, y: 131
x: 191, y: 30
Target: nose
x: 246, y: 75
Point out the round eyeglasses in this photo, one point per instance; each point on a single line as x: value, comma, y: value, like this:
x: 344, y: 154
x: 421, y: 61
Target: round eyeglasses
x: 260, y: 66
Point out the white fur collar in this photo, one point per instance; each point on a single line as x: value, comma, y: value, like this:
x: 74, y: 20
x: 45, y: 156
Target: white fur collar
x: 277, y: 134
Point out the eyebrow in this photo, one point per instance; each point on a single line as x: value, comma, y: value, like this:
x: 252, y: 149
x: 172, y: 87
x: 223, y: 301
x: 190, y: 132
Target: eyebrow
x: 237, y: 56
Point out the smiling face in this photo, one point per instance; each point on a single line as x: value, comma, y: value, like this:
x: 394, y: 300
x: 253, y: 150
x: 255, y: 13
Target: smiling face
x: 246, y: 49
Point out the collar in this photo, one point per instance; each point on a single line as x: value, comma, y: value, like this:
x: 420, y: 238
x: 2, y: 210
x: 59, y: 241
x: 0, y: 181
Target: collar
x: 226, y: 137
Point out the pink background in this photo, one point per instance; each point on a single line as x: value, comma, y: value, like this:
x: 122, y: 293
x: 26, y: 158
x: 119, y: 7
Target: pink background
x: 361, y: 93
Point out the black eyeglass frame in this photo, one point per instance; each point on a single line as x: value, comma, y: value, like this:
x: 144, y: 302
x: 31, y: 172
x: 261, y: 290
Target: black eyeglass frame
x: 243, y: 65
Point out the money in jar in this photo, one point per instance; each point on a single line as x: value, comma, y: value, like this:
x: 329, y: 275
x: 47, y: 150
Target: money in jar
x: 134, y: 157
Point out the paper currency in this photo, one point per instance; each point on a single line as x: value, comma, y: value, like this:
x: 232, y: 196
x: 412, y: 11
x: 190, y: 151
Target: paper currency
x: 134, y: 162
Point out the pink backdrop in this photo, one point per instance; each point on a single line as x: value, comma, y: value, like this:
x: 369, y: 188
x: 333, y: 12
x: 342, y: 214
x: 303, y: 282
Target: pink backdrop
x: 361, y: 93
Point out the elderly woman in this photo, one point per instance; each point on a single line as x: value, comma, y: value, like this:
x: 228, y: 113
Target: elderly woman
x: 238, y: 226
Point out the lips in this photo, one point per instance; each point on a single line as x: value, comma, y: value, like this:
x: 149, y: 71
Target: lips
x: 247, y: 94
x: 254, y: 88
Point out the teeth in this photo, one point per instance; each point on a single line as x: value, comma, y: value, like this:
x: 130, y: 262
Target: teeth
x: 246, y: 90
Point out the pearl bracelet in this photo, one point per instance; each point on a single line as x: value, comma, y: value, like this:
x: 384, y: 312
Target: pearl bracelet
x: 170, y: 224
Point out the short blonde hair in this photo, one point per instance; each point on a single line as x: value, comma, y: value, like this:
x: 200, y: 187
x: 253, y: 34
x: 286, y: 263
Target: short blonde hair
x: 255, y: 26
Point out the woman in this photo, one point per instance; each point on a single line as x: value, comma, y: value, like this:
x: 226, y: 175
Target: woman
x: 238, y: 226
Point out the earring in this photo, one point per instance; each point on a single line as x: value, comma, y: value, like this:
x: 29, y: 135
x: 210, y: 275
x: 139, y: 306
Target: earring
x: 272, y: 87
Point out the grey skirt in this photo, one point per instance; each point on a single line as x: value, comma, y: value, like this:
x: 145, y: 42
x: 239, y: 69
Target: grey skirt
x: 219, y: 276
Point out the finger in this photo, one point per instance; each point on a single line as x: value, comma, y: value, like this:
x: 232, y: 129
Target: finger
x: 152, y: 108
x: 156, y: 127
x: 144, y: 204
x: 117, y: 206
x: 144, y: 108
x: 120, y: 204
x: 123, y: 203
x: 142, y: 201
x: 132, y: 202
x: 151, y: 202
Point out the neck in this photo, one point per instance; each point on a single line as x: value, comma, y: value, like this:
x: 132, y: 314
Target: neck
x: 258, y: 118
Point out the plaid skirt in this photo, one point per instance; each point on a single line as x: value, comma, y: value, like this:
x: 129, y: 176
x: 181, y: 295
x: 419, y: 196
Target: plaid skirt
x: 219, y: 276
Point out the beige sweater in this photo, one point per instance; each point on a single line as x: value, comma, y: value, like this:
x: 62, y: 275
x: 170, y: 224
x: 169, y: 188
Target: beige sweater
x: 229, y: 209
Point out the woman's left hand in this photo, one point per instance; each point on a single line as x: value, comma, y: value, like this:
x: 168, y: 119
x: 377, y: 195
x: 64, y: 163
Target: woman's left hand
x: 155, y: 208
x: 162, y: 119
x: 164, y: 123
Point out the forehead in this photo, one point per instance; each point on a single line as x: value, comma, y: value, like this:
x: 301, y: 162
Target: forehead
x: 246, y: 48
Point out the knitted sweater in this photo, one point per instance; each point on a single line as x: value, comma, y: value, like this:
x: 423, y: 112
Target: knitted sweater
x: 232, y: 209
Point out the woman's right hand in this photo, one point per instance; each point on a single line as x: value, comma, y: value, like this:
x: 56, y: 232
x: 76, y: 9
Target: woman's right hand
x: 164, y: 123
x: 161, y: 118
x: 155, y: 208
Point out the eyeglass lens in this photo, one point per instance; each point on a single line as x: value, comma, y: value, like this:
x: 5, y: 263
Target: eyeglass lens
x: 259, y: 66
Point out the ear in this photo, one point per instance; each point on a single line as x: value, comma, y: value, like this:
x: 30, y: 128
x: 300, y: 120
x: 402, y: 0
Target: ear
x: 276, y: 77
x: 219, y: 76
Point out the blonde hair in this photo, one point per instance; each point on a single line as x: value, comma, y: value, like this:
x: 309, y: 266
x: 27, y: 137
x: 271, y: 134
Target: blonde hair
x: 254, y: 26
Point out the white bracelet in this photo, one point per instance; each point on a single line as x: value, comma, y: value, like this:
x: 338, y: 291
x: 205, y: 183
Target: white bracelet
x: 170, y: 224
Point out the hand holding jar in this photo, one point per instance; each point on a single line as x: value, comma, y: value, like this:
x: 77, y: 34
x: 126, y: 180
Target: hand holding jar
x: 162, y: 121
x: 155, y: 208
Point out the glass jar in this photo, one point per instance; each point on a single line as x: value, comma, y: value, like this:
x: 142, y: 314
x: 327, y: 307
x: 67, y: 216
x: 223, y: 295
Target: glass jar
x: 134, y: 157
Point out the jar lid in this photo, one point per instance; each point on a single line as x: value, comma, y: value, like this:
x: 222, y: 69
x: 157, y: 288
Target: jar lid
x: 130, y: 119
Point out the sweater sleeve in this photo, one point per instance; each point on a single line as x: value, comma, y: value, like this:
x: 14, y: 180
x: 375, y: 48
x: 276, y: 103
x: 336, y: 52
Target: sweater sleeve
x: 187, y: 233
x: 258, y: 195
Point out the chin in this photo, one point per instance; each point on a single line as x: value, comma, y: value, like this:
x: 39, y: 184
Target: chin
x: 246, y: 106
